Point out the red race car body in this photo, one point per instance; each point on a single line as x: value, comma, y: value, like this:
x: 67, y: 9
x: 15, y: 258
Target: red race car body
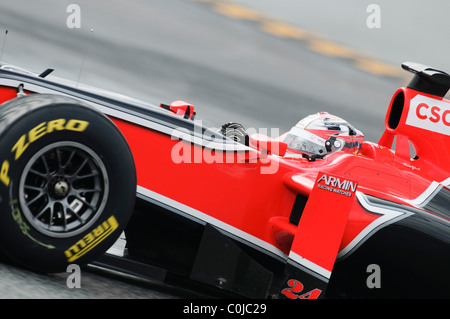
x: 260, y: 219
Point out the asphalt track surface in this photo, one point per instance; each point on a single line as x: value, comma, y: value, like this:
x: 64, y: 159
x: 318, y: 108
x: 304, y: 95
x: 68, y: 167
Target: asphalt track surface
x: 219, y: 58
x: 406, y: 30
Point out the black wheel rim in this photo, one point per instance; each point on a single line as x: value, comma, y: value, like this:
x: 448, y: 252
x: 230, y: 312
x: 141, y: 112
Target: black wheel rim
x: 63, y: 189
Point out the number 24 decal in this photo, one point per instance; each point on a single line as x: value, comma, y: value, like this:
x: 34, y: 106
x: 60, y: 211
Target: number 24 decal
x: 296, y: 287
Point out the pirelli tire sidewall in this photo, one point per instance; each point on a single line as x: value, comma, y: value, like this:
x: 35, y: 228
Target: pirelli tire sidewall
x: 35, y: 122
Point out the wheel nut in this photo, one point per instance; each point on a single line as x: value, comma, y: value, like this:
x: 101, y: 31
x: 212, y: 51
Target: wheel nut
x: 61, y: 188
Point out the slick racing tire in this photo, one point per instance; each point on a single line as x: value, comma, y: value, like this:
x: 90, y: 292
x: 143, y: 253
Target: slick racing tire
x: 67, y: 182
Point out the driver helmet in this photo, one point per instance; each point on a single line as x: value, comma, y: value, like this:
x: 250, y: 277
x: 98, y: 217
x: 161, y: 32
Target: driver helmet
x: 322, y: 134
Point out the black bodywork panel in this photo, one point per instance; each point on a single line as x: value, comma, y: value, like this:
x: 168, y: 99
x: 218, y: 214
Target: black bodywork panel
x: 198, y: 251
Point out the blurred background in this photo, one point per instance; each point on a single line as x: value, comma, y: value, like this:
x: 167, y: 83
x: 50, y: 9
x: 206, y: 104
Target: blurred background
x: 262, y: 63
x: 265, y: 64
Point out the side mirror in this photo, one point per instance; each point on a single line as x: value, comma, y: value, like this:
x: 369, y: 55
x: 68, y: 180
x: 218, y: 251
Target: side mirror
x: 180, y: 108
x: 268, y: 144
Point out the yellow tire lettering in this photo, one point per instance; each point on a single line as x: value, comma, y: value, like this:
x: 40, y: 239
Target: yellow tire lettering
x: 89, y: 238
x: 92, y: 239
x: 37, y: 132
x: 56, y: 125
x: 20, y: 146
x: 46, y: 127
x: 98, y: 231
x: 4, y: 173
x: 76, y: 125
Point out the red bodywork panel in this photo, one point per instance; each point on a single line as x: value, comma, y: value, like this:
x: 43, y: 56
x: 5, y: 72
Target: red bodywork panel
x: 322, y: 226
x: 422, y: 122
x: 235, y: 192
x: 7, y: 93
x: 252, y: 193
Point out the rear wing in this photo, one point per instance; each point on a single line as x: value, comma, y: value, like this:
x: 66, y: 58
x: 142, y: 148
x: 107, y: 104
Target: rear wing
x: 427, y: 79
x: 417, y: 123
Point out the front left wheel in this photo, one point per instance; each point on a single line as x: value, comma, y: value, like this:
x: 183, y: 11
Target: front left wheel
x: 67, y: 182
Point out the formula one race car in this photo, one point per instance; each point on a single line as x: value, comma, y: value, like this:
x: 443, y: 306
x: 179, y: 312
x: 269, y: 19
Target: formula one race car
x: 317, y: 212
